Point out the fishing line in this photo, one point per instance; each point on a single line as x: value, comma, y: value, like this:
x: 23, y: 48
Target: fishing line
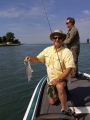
x: 16, y: 71
x: 46, y: 16
x: 19, y: 70
x: 51, y: 31
x: 59, y: 61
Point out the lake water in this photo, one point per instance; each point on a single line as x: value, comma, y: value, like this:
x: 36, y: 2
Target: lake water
x: 15, y: 91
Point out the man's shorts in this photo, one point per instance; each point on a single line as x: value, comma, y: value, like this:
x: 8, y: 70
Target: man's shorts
x: 52, y: 90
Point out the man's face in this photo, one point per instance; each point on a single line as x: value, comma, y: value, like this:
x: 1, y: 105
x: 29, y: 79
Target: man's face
x: 68, y: 24
x: 57, y: 40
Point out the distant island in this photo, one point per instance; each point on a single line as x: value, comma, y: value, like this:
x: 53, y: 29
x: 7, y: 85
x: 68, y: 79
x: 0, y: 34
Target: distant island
x: 9, y: 40
x: 87, y: 42
x: 10, y: 44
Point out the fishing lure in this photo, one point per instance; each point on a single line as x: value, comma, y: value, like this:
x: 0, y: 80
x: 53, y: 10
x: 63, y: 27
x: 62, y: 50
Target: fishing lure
x: 29, y: 71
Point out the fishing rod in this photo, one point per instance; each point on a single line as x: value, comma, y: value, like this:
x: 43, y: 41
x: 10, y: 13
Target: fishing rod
x: 46, y: 16
x: 51, y: 31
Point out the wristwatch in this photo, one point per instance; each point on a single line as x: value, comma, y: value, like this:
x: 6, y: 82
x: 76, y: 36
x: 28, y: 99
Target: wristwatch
x: 60, y: 80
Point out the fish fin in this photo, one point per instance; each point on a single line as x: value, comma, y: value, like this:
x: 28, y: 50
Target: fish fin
x: 31, y: 70
x: 29, y: 80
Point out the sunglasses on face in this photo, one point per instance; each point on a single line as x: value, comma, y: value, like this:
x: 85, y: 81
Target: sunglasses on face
x: 67, y: 23
x: 59, y: 38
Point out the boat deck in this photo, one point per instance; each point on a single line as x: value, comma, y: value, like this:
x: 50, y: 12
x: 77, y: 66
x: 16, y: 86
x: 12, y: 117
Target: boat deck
x: 79, y: 89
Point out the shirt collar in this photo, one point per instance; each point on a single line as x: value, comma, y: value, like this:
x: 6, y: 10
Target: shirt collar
x: 71, y: 28
x: 57, y: 49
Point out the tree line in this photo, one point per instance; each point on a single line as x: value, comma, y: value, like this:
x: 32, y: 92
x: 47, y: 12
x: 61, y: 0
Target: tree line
x: 9, y: 38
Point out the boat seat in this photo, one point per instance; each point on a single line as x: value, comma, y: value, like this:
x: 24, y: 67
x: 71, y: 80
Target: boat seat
x: 79, y: 90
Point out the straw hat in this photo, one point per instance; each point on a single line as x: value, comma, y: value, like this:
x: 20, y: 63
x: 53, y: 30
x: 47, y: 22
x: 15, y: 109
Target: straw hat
x: 57, y: 32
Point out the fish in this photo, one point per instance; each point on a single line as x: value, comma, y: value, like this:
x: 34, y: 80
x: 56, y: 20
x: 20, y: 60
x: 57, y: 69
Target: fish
x: 29, y: 71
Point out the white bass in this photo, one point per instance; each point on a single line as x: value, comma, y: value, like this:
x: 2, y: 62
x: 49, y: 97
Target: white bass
x: 29, y: 71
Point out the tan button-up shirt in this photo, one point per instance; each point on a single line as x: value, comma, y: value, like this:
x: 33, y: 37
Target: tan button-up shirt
x: 72, y: 40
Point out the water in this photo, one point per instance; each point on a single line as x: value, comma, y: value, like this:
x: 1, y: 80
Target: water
x: 15, y: 92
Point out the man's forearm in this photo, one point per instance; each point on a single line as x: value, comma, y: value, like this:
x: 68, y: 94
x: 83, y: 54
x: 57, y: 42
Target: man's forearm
x: 34, y: 59
x: 71, y: 37
x: 65, y: 73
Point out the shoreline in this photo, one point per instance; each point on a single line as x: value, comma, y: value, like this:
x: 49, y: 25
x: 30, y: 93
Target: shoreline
x: 11, y: 44
x: 1, y: 45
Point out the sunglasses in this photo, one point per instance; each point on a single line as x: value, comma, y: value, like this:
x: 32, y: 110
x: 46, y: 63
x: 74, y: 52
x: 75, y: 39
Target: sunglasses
x: 59, y: 38
x: 67, y: 22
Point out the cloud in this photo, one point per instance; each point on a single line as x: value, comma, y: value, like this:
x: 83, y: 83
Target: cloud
x: 16, y: 12
x: 34, y: 11
x: 86, y: 12
x: 28, y: 20
x: 52, y: 2
x: 11, y: 13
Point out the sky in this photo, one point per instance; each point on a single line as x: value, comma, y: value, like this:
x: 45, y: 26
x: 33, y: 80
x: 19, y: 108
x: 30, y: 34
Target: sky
x: 27, y: 18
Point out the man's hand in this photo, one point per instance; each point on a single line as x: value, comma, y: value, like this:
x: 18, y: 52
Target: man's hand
x: 55, y: 81
x: 27, y: 58
x: 62, y: 77
x: 67, y: 37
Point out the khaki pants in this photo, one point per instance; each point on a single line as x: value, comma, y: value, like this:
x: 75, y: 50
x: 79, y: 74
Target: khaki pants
x: 75, y: 55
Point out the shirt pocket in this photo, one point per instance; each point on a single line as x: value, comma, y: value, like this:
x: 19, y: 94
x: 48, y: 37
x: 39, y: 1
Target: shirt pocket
x: 58, y: 63
x: 47, y: 59
x: 68, y: 35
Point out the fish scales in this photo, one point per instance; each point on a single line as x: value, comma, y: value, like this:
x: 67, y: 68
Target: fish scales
x: 29, y: 71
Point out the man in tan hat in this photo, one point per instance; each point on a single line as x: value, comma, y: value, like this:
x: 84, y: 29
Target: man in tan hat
x: 59, y: 63
x: 73, y: 43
